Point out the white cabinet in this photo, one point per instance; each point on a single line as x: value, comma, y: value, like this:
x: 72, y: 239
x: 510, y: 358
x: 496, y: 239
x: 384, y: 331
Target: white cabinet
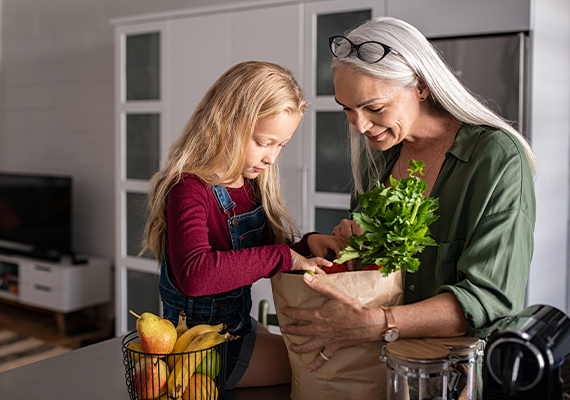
x: 195, y: 46
x: 442, y: 18
x: 325, y: 151
x: 60, y: 287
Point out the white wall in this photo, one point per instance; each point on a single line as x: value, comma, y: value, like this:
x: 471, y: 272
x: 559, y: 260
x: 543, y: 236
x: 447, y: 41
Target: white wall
x: 57, y: 104
x: 550, y: 127
x: 2, y: 146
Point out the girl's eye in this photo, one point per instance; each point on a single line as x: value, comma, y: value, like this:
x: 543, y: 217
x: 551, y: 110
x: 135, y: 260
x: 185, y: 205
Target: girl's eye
x: 261, y: 144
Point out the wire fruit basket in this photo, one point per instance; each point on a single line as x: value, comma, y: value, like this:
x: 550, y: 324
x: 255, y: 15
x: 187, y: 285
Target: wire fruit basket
x: 197, y: 375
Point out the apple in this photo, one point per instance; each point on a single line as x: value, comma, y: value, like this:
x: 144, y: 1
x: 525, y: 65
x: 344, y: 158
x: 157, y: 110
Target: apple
x: 336, y: 268
x: 150, y: 378
x: 372, y: 268
x: 210, y: 365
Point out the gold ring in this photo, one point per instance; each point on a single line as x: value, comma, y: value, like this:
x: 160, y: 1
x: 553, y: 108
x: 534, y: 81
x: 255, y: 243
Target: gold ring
x: 323, y: 356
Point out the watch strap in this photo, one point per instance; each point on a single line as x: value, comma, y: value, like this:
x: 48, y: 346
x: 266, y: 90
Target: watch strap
x: 390, y: 323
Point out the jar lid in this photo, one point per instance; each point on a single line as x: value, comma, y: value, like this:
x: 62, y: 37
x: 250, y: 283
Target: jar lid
x: 417, y: 350
x: 458, y: 342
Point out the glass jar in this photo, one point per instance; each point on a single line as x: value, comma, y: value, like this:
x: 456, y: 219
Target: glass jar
x: 417, y: 370
x: 463, y: 353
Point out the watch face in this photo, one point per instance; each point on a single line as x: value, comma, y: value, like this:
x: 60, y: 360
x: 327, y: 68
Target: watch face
x: 391, y: 335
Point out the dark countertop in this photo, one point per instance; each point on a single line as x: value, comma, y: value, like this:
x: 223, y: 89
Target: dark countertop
x: 94, y: 372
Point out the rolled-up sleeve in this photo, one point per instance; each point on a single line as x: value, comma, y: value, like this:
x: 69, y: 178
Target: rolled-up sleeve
x: 492, y: 272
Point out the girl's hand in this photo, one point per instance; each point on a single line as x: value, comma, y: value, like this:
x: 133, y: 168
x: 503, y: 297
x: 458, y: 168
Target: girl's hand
x: 340, y: 322
x: 347, y: 228
x: 324, y: 245
x: 308, y: 264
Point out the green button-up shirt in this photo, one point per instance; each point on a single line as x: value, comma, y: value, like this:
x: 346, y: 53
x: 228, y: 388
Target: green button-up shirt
x: 485, y: 229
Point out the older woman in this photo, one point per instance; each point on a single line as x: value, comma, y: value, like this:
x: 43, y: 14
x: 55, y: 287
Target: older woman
x: 404, y: 103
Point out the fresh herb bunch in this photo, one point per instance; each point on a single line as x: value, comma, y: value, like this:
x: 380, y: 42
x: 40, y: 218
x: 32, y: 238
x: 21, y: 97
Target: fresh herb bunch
x: 396, y: 220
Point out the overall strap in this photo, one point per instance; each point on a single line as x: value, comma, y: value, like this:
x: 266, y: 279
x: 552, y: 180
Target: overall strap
x: 225, y: 202
x: 223, y: 198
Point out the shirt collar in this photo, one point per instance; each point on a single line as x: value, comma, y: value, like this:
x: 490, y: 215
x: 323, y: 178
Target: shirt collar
x: 465, y: 141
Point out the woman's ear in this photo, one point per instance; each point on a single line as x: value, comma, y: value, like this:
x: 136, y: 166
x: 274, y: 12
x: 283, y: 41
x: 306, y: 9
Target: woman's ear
x: 422, y: 89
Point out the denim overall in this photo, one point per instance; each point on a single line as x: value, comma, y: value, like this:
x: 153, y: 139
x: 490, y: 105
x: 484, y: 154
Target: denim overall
x: 232, y: 308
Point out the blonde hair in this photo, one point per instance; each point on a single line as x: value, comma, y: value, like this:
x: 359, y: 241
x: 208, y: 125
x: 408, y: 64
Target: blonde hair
x: 214, y: 142
x: 418, y: 60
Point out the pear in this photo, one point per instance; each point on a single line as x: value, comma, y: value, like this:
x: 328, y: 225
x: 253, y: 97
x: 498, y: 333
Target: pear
x: 156, y: 335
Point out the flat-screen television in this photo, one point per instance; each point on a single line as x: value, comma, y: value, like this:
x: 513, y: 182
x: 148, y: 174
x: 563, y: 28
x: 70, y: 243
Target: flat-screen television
x: 35, y: 214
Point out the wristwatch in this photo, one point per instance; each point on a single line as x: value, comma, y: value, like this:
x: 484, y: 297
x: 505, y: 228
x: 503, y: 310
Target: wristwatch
x: 391, y: 333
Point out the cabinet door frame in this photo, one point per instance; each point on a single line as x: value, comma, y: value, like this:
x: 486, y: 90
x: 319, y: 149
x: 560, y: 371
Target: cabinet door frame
x: 311, y: 198
x: 123, y: 261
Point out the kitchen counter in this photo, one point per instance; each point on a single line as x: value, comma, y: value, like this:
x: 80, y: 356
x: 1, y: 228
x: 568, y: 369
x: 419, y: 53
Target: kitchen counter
x: 94, y: 372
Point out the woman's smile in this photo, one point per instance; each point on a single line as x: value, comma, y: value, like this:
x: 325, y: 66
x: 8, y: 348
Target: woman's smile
x: 376, y: 137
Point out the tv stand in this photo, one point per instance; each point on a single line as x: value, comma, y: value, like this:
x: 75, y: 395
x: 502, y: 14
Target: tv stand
x: 70, y: 284
x: 42, y: 255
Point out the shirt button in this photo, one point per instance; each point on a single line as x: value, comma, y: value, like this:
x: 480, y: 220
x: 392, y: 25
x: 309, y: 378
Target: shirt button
x: 412, y: 288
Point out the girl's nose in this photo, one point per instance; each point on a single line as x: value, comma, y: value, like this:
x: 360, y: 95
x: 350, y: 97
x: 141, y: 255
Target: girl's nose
x: 271, y: 155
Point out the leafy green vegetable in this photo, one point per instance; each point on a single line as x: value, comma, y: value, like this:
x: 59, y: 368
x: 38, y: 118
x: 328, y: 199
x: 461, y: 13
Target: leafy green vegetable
x: 396, y: 220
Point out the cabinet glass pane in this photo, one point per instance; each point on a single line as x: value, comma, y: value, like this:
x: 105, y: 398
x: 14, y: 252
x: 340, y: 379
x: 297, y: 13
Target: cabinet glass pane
x: 329, y: 25
x: 137, y: 216
x: 326, y: 219
x: 142, y: 295
x: 143, y: 67
x: 143, y: 145
x: 332, y: 153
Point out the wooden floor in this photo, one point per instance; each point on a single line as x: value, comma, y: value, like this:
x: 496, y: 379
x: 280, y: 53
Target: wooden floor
x: 82, y: 327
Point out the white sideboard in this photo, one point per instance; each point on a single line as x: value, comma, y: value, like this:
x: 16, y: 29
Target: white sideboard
x: 60, y: 287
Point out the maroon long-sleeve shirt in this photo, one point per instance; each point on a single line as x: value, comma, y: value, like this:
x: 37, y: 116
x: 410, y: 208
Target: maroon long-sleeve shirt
x: 202, y: 261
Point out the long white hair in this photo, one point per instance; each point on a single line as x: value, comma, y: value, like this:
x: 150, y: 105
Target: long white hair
x: 417, y: 59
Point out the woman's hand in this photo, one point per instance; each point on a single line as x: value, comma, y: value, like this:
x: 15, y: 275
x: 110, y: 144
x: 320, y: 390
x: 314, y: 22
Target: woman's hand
x: 344, y: 230
x: 340, y: 322
x: 347, y: 228
x: 326, y: 245
x: 308, y: 264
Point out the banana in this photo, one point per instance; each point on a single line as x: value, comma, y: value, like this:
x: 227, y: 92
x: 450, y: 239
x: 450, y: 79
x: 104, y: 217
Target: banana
x: 184, y: 368
x: 181, y: 327
x: 201, y: 387
x: 208, y: 340
x: 187, y: 363
x: 187, y: 337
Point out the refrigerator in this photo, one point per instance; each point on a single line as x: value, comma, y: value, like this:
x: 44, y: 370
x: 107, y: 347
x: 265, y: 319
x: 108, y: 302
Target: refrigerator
x: 496, y: 68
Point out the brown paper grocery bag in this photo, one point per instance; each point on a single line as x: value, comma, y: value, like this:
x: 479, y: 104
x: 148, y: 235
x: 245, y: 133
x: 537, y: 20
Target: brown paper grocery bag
x: 352, y: 373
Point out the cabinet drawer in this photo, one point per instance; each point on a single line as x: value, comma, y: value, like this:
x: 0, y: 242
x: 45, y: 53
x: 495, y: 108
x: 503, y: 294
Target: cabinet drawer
x: 44, y: 275
x: 42, y: 295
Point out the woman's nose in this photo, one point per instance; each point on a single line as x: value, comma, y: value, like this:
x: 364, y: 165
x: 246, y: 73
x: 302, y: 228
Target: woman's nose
x: 361, y: 123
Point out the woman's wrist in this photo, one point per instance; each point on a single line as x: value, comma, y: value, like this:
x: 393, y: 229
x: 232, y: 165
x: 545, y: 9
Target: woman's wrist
x: 376, y: 324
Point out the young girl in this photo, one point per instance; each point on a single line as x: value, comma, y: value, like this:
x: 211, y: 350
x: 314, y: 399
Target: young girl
x: 218, y: 222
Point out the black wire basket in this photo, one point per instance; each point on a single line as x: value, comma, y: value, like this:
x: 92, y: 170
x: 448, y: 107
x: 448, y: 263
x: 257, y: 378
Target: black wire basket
x: 147, y: 375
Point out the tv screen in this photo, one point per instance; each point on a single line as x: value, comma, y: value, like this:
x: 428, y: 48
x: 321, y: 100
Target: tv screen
x: 35, y: 214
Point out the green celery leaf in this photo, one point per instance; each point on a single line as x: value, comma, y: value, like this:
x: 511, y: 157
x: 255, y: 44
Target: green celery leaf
x: 396, y: 222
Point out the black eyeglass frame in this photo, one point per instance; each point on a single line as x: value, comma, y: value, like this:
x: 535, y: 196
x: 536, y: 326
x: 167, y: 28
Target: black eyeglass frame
x: 353, y: 47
